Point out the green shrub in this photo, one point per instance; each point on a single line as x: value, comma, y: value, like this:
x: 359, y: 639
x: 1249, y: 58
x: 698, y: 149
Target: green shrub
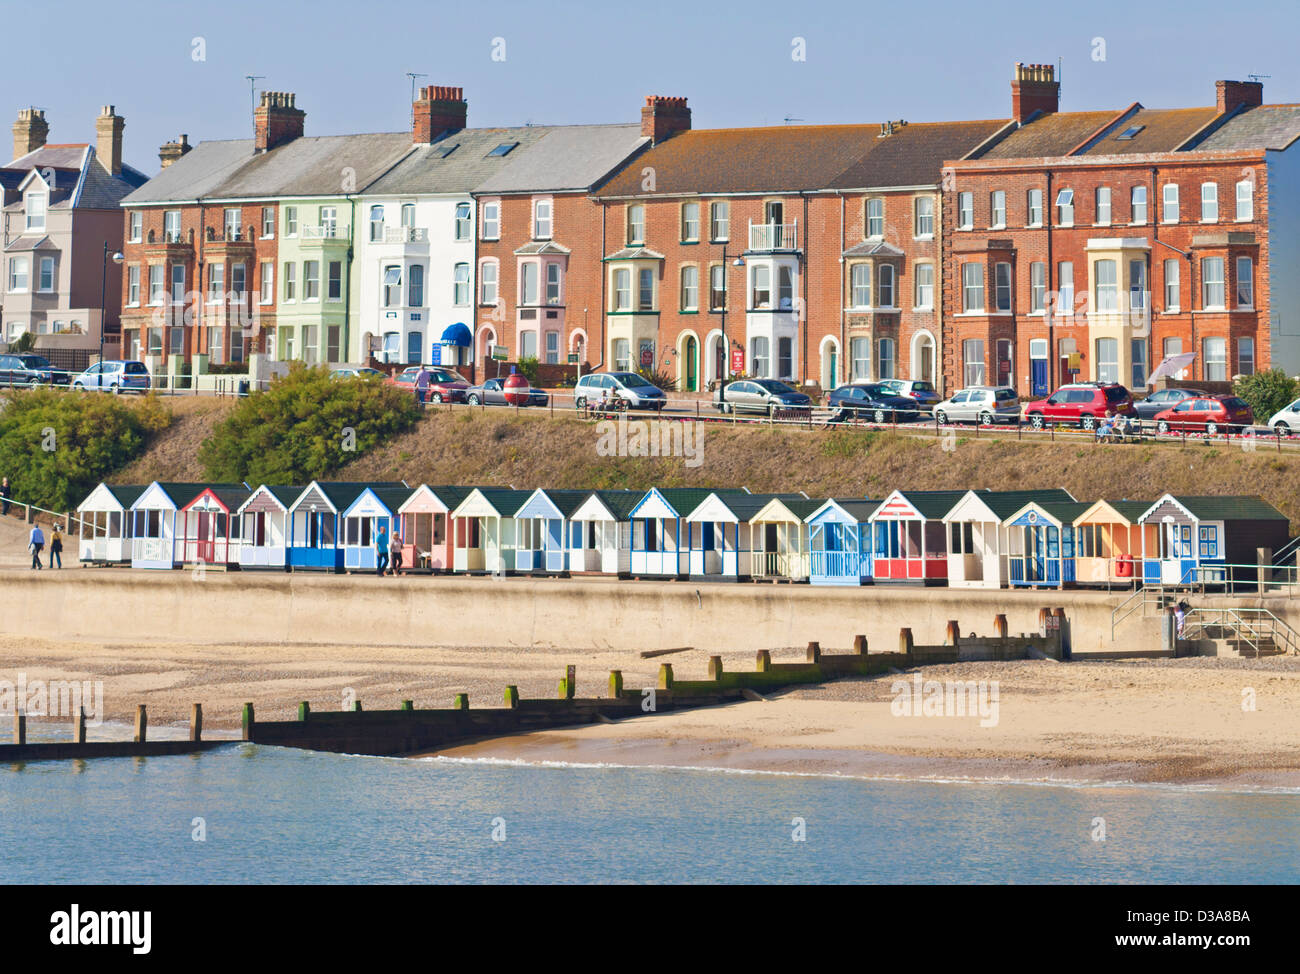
x: 304, y: 426
x: 56, y: 446
x: 1267, y: 392
x: 528, y: 368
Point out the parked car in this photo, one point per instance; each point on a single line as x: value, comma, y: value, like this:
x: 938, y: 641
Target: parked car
x: 1158, y: 402
x: 862, y: 400
x: 28, y: 370
x: 634, y: 389
x: 1287, y: 419
x: 1212, y: 414
x: 347, y: 372
x: 758, y: 396
x: 115, y: 375
x: 445, y: 385
x: 492, y: 392
x: 1084, y: 404
x: 985, y: 405
x: 923, y: 392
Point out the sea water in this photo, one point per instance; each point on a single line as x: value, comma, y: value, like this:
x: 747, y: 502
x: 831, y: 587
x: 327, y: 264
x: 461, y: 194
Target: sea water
x: 249, y: 814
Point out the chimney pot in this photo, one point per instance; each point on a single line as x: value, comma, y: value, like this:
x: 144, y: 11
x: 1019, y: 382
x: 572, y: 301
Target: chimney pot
x: 29, y: 131
x: 1034, y: 88
x: 277, y: 120
x: 172, y: 151
x: 663, y: 116
x: 437, y: 109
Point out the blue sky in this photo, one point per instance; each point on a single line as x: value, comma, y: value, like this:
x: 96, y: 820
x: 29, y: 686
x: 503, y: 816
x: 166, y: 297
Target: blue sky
x: 572, y: 62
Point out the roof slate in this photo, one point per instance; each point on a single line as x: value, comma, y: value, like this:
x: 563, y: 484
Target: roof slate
x: 566, y: 157
x: 1265, y: 127
x: 426, y: 170
x: 1049, y: 135
x: 1163, y: 130
x: 1231, y: 507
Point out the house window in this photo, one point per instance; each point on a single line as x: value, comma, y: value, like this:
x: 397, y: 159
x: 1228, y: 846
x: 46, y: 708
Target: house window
x: 759, y: 355
x: 1209, y: 202
x: 392, y: 286
x: 552, y: 348
x: 216, y: 281
x: 231, y: 221
x: 1245, y: 356
x: 290, y: 290
x: 291, y: 221
x: 925, y: 216
x: 376, y: 223
x: 177, y: 283
x: 45, y: 274
x: 415, y: 285
x: 528, y: 284
x: 972, y: 351
x: 461, y: 228
x: 965, y: 211
x: 1138, y: 348
x: 268, y: 221
x: 1216, y: 359
x: 552, y: 283
x: 860, y: 285
x: 238, y: 281
x: 1002, y: 287
x: 1173, y: 346
x: 1034, y: 207
x: 972, y: 287
x: 785, y: 358
x: 1037, y: 287
x: 636, y: 224
x: 491, y: 221
x: 622, y: 354
x: 136, y: 220
x: 690, y: 288
x: 1107, y: 360
x: 645, y: 300
x: 1169, y: 204
x: 215, y: 352
x: 172, y: 226
x: 460, y: 290
x: 408, y: 221
x: 334, y: 333
x: 1138, y: 203
x: 328, y: 217
x: 717, y: 287
x: 784, y: 288
x: 886, y: 359
x: 1245, y: 283
x: 1245, y: 201
x: 334, y: 281
x: 875, y: 217
x: 886, y: 285
x: 1137, y: 285
x: 133, y: 285
x: 1212, y: 292
x: 156, y: 272
x: 860, y: 350
x: 1106, y: 297
x: 1208, y: 541
x: 762, y: 287
x: 1065, y: 287
x: 1065, y: 208
x: 622, y: 289
x: 267, y: 272
x: 998, y: 208
x: 154, y: 339
x: 488, y: 282
x: 720, y: 221
x: 1103, y: 205
x: 176, y: 341
x: 1172, y: 273
x: 35, y: 211
x: 528, y: 344
x: 542, y: 220
x: 311, y: 280
x: 924, y: 286
x: 690, y: 222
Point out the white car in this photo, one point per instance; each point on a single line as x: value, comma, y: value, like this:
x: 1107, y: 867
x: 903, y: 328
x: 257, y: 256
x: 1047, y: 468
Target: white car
x: 1287, y: 419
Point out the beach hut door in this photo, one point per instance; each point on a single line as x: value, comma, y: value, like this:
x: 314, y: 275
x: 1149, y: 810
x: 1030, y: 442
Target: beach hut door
x: 206, y: 541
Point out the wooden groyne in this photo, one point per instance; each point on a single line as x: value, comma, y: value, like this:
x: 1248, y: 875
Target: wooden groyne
x: 139, y: 746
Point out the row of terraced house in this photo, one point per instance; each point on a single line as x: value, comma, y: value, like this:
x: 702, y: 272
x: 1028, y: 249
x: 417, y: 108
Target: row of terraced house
x: 1028, y: 250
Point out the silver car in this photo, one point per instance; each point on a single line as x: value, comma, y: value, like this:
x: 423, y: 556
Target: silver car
x: 1287, y: 419
x: 985, y: 405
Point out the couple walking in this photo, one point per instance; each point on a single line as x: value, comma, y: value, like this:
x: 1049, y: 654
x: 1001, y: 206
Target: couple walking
x: 36, y: 544
x: 386, y: 550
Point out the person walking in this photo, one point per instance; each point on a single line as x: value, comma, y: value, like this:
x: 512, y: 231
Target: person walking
x: 36, y: 542
x: 422, y: 385
x: 395, y: 551
x: 56, y: 548
x: 5, y: 493
x: 381, y: 550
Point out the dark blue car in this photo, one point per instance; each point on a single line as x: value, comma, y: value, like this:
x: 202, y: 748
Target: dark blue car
x: 871, y: 401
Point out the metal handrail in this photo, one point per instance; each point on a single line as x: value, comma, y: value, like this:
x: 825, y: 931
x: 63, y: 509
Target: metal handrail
x: 1251, y: 625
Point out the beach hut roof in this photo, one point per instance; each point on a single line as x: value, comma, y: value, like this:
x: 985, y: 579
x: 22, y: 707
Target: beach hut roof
x: 122, y: 497
x: 565, y: 501
x: 929, y: 504
x: 1003, y: 503
x: 796, y: 508
x: 742, y: 505
x: 1129, y: 510
x: 857, y: 508
x: 231, y: 498
x: 619, y: 502
x: 125, y: 494
x: 680, y: 500
x: 1059, y: 512
x: 341, y: 494
x: 503, y: 501
x: 1231, y: 507
x: 182, y: 494
x: 283, y: 495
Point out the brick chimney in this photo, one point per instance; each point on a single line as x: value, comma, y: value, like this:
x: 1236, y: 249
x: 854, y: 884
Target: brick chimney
x: 438, y: 109
x: 1034, y: 88
x: 172, y: 151
x: 663, y: 117
x: 276, y: 120
x: 1231, y: 95
x: 29, y: 131
x: 108, y: 139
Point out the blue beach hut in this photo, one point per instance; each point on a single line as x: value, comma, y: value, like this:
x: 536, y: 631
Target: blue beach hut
x: 839, y: 541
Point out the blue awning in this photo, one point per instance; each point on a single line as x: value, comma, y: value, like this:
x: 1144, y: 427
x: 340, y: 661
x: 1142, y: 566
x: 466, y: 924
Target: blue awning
x: 457, y: 334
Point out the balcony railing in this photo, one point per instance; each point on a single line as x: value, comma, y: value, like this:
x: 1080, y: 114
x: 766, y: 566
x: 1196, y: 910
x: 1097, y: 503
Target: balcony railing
x: 405, y: 234
x: 774, y: 236
x: 328, y: 231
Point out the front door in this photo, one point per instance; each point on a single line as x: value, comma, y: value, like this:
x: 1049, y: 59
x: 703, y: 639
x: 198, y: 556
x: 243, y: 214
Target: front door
x: 206, y: 541
x: 692, y: 379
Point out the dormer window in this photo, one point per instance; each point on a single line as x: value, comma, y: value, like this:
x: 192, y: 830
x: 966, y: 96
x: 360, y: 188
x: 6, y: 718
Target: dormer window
x: 35, y: 211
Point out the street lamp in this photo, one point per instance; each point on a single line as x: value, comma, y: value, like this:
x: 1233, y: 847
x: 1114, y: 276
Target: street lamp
x: 726, y: 346
x: 103, y: 282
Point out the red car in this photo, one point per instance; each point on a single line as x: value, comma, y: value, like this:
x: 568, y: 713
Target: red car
x: 445, y: 385
x: 1211, y: 414
x: 1084, y: 404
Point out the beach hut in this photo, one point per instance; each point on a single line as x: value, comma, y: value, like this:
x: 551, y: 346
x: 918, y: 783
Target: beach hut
x: 1190, y: 539
x: 601, y: 533
x: 155, y: 522
x: 542, y: 530
x: 206, y: 527
x: 720, y: 537
x: 264, y: 526
x: 427, y: 529
x: 1108, y: 543
x: 780, y: 538
x: 104, y: 525
x: 839, y: 541
x: 977, y: 538
x: 1040, y: 544
x: 660, y: 537
x: 484, y: 524
x: 315, y: 523
x: 373, y: 512
x: 909, y: 538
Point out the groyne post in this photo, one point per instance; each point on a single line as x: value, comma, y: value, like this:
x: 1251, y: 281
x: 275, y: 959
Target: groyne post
x: 247, y: 719
x: 304, y: 710
x: 141, y: 724
x: 196, y: 722
x: 715, y: 668
x: 1000, y: 626
x: 859, y: 645
x: 567, y: 684
x: 20, y: 727
x: 408, y: 705
x: 905, y: 644
x: 615, y: 684
x: 665, y: 676
x: 952, y: 635
x: 814, y: 652
x: 79, y: 733
x: 460, y: 702
x: 764, y: 661
x: 512, y: 697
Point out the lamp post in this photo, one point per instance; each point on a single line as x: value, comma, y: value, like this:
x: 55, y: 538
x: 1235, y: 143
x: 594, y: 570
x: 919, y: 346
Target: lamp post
x: 726, y: 346
x: 103, y: 285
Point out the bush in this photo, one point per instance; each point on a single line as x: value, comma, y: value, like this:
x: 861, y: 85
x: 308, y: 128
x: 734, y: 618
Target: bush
x: 528, y: 368
x: 304, y: 426
x: 1267, y: 392
x: 659, y: 377
x: 56, y: 446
